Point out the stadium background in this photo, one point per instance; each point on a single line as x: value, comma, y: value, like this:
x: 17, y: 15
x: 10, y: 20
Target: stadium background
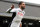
x: 30, y: 10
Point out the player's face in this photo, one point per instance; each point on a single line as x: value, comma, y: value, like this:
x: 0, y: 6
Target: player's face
x: 23, y: 5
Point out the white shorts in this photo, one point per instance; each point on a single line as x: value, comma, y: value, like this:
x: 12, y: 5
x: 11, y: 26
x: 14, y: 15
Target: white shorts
x: 15, y: 24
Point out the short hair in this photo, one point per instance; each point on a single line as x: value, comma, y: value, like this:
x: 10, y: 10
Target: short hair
x: 20, y: 3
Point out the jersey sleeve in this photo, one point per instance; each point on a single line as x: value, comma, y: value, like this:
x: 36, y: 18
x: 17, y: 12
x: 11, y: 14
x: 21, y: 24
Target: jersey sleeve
x: 13, y: 10
x: 8, y: 10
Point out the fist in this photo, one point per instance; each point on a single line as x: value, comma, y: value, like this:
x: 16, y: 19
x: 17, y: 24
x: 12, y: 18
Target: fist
x: 12, y: 6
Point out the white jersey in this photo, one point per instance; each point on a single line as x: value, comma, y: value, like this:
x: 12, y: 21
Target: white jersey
x: 17, y: 19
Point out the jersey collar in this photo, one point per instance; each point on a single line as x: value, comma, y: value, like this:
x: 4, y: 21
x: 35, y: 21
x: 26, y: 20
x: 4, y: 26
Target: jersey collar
x: 20, y: 9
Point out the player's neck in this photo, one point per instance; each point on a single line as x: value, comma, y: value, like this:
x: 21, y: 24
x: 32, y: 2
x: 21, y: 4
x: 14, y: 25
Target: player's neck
x: 21, y: 9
